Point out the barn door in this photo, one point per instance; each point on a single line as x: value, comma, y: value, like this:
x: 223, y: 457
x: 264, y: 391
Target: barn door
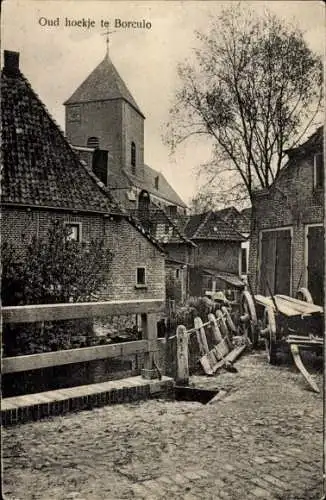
x: 275, y: 262
x: 315, y: 266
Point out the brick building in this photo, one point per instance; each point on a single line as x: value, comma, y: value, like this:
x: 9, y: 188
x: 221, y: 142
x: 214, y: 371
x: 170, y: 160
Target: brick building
x: 43, y: 180
x: 179, y: 249
x: 287, y: 239
x: 217, y: 261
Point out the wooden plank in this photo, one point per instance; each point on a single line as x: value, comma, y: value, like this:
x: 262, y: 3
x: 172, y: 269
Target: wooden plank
x: 182, y: 356
x: 53, y: 312
x: 284, y: 307
x: 215, y: 328
x: 301, y: 305
x: 201, y: 336
x: 149, y: 329
x: 232, y: 356
x: 222, y: 349
x: 56, y: 358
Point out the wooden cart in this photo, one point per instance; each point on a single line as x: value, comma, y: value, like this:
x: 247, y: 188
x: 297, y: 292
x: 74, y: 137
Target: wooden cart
x: 280, y: 320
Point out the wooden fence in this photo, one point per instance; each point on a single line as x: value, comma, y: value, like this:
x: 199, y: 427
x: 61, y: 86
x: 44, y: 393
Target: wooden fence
x: 207, y: 344
x: 148, y: 346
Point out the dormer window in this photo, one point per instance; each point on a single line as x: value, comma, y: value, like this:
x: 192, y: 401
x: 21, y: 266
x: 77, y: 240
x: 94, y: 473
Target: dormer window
x: 133, y: 158
x: 319, y: 171
x: 93, y: 142
x: 156, y: 182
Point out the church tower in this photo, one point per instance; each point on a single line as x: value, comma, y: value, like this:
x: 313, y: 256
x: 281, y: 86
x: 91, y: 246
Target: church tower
x: 102, y: 113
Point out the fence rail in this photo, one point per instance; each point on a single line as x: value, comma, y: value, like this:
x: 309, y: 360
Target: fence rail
x: 55, y: 312
x: 148, y: 309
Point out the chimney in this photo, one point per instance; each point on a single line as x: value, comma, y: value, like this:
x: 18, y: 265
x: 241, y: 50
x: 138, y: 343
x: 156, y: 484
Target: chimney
x: 100, y: 165
x: 11, y: 62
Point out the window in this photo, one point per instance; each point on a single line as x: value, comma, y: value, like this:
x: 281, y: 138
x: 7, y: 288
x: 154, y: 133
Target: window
x: 143, y: 202
x: 74, y: 231
x: 319, y: 170
x: 172, y: 209
x: 93, y: 142
x: 177, y: 273
x: 133, y: 158
x: 141, y: 276
x: 156, y: 181
x: 244, y: 261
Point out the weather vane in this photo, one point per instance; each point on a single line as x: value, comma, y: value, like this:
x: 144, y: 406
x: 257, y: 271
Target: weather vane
x: 107, y: 34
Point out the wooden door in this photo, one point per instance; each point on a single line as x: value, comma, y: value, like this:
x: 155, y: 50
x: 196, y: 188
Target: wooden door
x: 275, y: 262
x: 315, y: 266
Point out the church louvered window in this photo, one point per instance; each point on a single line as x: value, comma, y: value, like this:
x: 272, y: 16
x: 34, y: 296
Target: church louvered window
x: 133, y: 158
x: 93, y: 142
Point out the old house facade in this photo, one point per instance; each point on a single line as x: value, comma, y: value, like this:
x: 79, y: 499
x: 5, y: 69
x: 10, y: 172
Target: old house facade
x: 287, y: 239
x: 217, y: 263
x: 44, y: 180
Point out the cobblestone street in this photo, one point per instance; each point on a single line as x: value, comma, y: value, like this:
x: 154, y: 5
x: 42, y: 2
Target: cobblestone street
x: 263, y: 440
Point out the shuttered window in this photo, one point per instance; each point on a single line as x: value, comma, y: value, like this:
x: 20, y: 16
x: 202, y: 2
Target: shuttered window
x: 319, y: 170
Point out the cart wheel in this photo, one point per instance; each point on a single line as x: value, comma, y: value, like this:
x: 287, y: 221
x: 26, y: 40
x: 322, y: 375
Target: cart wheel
x: 305, y: 295
x: 249, y: 318
x: 269, y: 324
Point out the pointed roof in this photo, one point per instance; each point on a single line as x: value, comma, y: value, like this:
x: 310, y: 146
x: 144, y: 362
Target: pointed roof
x: 39, y: 167
x: 103, y: 84
x: 210, y: 226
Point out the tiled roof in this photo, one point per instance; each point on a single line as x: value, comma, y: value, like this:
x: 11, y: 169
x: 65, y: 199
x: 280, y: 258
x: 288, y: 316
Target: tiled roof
x: 147, y: 182
x: 210, y: 226
x: 104, y: 83
x: 39, y: 167
x: 239, y: 220
x: 193, y: 222
x: 161, y: 226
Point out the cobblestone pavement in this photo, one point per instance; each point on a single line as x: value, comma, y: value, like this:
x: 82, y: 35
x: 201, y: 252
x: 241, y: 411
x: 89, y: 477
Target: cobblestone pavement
x: 262, y: 441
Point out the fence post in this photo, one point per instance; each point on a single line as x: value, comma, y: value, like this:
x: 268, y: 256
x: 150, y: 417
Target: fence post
x: 215, y: 329
x: 182, y: 356
x: 149, y: 329
x: 201, y: 336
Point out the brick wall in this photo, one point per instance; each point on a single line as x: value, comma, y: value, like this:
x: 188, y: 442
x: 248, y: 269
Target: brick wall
x: 133, y: 131
x: 291, y: 202
x: 181, y: 252
x: 220, y: 255
x: 130, y: 248
x: 115, y: 123
x: 99, y: 119
x: 176, y: 276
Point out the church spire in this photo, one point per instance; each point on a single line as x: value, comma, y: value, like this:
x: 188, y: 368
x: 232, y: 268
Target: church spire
x: 107, y: 41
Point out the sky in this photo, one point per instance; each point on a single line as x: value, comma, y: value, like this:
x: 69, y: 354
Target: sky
x: 57, y: 58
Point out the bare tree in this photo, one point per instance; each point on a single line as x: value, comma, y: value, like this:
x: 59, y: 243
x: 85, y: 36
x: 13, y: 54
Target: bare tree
x: 254, y: 89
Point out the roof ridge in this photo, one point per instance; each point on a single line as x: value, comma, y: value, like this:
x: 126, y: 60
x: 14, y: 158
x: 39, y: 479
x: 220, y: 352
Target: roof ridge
x: 230, y: 225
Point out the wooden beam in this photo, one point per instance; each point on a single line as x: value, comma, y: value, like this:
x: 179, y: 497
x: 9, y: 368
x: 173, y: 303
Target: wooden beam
x: 66, y: 357
x: 182, y: 356
x: 53, y: 312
